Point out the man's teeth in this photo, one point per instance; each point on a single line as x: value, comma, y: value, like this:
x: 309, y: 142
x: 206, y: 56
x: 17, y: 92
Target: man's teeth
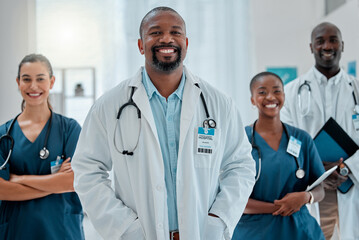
x: 327, y: 54
x: 34, y: 94
x: 271, y: 105
x: 166, y: 50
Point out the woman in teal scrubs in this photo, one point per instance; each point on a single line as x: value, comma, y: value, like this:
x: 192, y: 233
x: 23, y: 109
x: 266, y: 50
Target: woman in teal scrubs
x: 276, y: 208
x: 38, y: 199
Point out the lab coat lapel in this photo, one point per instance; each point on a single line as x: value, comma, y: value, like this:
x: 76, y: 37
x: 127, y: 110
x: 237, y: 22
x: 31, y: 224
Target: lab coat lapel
x: 141, y: 99
x: 345, y: 98
x: 191, y: 95
x: 316, y: 98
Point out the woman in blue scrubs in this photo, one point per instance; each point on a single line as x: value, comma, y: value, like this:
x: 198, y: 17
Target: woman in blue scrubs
x: 276, y: 208
x: 38, y: 199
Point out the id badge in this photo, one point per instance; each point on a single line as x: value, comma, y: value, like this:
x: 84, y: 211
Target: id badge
x: 294, y: 146
x: 56, y: 165
x: 355, y: 118
x: 205, y: 140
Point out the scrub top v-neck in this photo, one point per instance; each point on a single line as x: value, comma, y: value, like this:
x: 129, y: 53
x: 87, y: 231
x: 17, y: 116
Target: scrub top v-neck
x: 56, y: 216
x: 276, y: 180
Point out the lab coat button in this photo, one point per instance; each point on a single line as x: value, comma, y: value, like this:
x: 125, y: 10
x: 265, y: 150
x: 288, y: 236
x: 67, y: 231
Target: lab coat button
x: 159, y: 188
x: 160, y: 226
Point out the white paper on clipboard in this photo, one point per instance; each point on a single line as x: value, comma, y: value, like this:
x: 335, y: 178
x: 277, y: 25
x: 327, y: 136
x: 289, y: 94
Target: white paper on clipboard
x: 321, y: 178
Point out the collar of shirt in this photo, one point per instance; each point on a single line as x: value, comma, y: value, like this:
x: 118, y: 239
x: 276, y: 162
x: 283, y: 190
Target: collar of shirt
x: 151, y: 89
x: 322, y: 80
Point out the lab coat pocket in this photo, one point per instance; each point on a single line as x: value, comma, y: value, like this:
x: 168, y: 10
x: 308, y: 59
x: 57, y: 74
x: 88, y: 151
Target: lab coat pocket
x: 215, y: 228
x: 4, y: 231
x: 134, y: 231
x: 204, y: 158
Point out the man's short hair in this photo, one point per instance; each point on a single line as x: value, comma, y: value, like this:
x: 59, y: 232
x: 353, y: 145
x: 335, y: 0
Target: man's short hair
x: 156, y: 10
x: 322, y: 25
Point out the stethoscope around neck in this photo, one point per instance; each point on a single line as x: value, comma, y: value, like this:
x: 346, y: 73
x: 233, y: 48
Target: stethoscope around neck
x: 44, y: 152
x: 299, y: 173
x: 306, y: 85
x: 207, y: 123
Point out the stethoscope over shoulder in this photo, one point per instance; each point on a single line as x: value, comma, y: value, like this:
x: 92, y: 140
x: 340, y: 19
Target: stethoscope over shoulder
x: 299, y: 173
x: 44, y: 152
x: 207, y: 123
x: 305, y: 86
x: 11, y: 139
x: 129, y: 103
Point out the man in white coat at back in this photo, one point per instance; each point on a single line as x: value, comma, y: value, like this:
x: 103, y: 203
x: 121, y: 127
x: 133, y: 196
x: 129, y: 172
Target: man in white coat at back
x: 333, y: 94
x: 181, y: 161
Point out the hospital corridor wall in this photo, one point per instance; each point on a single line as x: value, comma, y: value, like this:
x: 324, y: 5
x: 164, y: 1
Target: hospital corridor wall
x: 280, y: 30
x: 18, y: 38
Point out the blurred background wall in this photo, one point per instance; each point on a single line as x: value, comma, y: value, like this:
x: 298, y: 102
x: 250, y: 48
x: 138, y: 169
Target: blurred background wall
x: 229, y: 42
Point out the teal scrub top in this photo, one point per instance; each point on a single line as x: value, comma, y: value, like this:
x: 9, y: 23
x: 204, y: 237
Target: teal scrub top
x: 56, y: 216
x: 276, y: 180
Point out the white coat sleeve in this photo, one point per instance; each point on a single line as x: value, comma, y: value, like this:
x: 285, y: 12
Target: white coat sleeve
x: 353, y: 161
x: 353, y: 164
x: 91, y: 164
x: 237, y: 173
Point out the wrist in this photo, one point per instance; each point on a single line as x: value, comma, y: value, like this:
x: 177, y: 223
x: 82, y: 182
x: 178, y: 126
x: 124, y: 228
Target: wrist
x: 17, y: 179
x: 21, y: 179
x: 311, y: 197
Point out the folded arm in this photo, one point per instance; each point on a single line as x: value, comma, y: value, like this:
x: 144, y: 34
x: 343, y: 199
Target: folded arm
x: 10, y: 191
x: 59, y: 182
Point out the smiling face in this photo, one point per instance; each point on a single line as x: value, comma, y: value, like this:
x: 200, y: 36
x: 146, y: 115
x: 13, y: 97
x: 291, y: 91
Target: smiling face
x: 268, y: 96
x: 327, y: 46
x: 34, y: 83
x: 163, y: 41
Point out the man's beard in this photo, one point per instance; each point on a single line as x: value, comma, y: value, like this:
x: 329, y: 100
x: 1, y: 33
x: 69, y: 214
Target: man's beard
x: 166, y: 66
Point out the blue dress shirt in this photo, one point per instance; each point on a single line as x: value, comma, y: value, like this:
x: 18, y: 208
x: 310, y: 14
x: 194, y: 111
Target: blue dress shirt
x: 167, y: 115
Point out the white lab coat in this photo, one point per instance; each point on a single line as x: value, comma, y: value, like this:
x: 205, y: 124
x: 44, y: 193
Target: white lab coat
x: 348, y: 204
x: 137, y: 207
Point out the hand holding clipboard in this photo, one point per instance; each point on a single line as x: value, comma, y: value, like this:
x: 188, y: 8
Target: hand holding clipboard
x: 334, y: 180
x: 333, y: 143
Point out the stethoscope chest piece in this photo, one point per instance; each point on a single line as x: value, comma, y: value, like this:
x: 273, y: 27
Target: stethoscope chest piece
x: 209, y: 123
x: 300, y: 173
x: 44, y: 153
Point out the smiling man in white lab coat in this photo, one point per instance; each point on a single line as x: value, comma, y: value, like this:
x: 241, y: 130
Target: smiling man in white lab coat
x: 181, y: 162
x: 333, y: 94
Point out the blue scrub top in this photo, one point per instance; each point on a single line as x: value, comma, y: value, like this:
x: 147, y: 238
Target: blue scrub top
x: 276, y: 180
x: 57, y: 216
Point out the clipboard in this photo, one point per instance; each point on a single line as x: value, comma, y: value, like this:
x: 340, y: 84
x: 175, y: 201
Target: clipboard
x: 332, y: 143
